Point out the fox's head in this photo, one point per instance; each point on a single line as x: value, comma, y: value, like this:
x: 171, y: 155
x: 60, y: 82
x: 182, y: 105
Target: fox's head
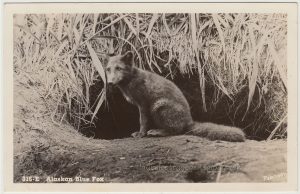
x: 119, y: 68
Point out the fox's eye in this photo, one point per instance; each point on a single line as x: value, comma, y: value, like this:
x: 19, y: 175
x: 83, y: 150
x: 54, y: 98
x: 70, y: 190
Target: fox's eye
x: 118, y: 68
x: 108, y: 69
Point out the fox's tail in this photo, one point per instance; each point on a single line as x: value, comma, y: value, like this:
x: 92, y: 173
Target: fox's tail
x: 217, y: 132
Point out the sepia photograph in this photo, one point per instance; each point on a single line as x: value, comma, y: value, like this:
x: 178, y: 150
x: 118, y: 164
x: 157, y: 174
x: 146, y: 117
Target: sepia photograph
x: 151, y: 97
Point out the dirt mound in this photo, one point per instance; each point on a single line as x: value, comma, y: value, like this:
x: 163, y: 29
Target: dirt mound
x: 51, y: 150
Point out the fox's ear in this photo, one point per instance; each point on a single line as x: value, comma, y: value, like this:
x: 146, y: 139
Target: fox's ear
x: 110, y: 54
x: 104, y: 61
x: 127, y: 58
x: 106, y: 57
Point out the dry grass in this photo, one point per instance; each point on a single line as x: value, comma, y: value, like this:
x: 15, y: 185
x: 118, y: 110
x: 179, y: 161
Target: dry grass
x: 63, y: 53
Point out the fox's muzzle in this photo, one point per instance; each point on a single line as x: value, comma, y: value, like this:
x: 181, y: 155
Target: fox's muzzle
x: 109, y: 78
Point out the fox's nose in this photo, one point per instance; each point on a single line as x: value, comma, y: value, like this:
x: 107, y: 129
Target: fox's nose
x: 109, y: 78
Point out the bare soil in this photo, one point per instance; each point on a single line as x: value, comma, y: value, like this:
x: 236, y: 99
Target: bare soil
x: 46, y: 149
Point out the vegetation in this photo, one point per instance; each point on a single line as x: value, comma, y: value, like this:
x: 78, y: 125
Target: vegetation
x: 243, y: 56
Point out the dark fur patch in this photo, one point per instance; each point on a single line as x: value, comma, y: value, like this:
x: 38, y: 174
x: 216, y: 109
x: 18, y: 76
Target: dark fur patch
x: 127, y: 58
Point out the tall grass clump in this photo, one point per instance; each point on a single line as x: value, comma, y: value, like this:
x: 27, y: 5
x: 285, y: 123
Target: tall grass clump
x: 243, y: 56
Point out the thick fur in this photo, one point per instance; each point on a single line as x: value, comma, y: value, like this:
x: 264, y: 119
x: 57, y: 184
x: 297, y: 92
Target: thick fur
x: 162, y: 106
x: 217, y: 132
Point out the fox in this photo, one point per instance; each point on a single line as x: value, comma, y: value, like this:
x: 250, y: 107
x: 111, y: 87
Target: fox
x: 163, y: 109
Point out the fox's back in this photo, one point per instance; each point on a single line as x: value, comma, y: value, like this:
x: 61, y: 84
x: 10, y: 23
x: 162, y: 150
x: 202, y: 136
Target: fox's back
x: 151, y: 87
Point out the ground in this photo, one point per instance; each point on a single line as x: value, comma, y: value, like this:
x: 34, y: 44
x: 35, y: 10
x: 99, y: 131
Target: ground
x: 49, y: 149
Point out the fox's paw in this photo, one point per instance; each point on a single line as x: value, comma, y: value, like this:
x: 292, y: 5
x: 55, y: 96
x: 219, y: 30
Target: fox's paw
x: 157, y: 133
x: 138, y: 134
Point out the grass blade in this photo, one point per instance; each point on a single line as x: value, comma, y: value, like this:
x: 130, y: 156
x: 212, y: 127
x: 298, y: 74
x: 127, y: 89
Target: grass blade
x: 99, y: 104
x: 200, y: 69
x: 151, y: 24
x: 96, y: 62
x: 130, y: 26
x: 221, y: 35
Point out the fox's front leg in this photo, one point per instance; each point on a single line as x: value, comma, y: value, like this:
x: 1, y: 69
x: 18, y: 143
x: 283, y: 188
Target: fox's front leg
x: 144, y: 123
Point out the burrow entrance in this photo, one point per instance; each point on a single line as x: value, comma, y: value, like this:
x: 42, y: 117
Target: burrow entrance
x: 119, y: 119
